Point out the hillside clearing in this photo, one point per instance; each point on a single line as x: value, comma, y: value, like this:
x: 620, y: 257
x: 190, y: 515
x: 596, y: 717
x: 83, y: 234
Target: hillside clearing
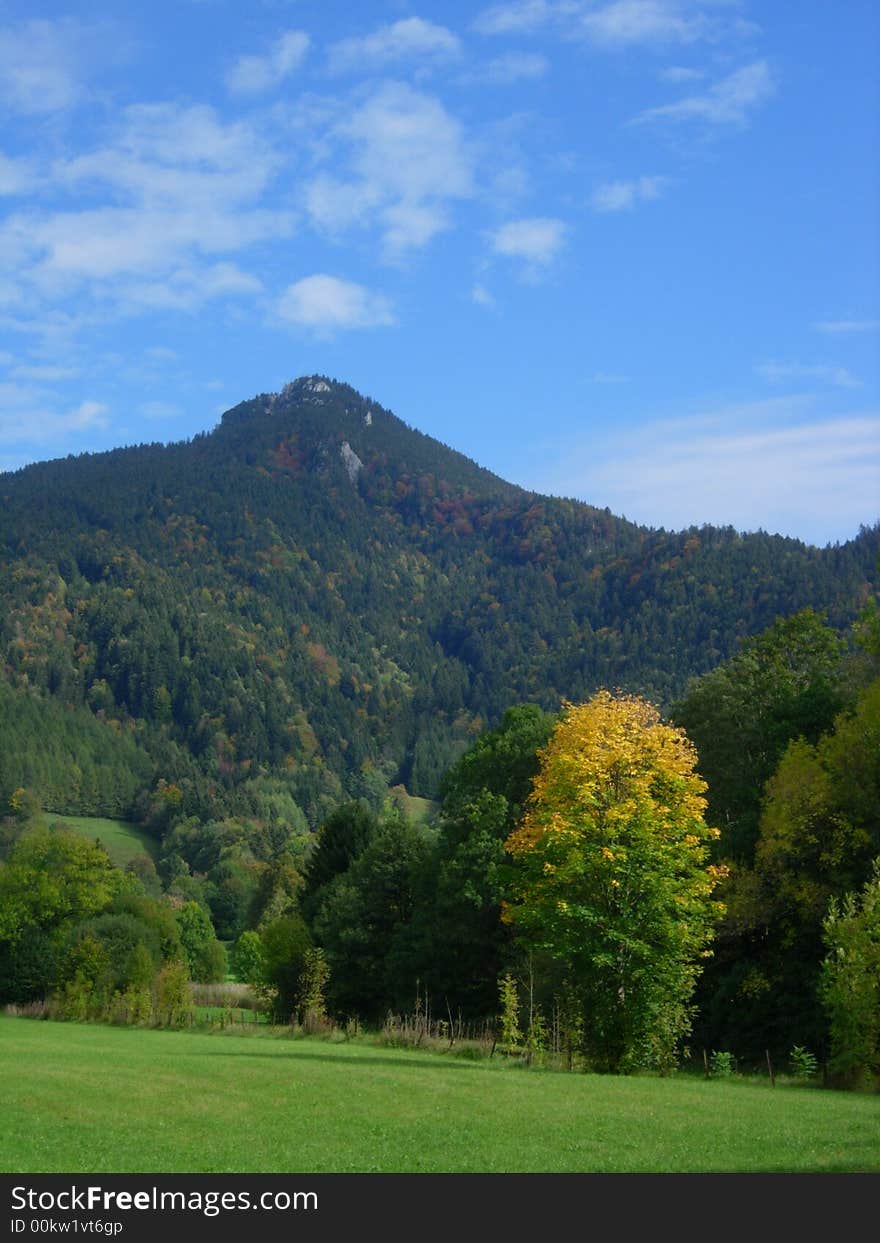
x: 122, y: 841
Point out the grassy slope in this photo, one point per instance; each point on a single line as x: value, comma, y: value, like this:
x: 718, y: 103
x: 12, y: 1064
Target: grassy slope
x: 122, y: 841
x: 232, y: 1103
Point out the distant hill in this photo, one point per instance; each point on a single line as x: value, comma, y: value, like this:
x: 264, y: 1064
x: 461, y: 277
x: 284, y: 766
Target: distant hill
x: 316, y: 601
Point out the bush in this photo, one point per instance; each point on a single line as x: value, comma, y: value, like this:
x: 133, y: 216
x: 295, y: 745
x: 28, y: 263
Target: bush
x: 721, y: 1065
x: 172, y: 998
x: 803, y: 1063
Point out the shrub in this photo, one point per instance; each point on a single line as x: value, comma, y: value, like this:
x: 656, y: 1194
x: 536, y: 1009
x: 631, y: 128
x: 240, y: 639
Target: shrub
x: 802, y: 1062
x: 721, y: 1065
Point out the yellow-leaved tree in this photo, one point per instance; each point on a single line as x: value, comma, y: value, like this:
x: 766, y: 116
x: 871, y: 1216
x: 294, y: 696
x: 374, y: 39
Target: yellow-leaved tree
x: 611, y: 877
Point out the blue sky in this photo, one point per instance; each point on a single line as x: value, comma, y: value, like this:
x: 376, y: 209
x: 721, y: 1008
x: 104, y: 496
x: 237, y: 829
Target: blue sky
x: 624, y: 250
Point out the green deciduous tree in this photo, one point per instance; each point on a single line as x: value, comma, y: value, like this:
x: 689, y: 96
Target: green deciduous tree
x: 782, y: 684
x: 611, y: 876
x: 52, y: 877
x: 850, y: 984
x: 200, y: 946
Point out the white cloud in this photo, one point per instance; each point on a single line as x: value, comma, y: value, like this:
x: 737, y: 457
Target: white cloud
x: 848, y: 325
x: 514, y: 67
x: 826, y: 373
x: 616, y: 196
x: 406, y: 159
x: 538, y: 240
x: 325, y: 303
x: 411, y: 38
x: 481, y: 295
x: 801, y: 478
x: 621, y: 23
x: 27, y: 418
x: 252, y: 75
x: 521, y: 16
x: 38, y: 66
x: 680, y: 73
x: 16, y: 176
x: 642, y: 21
x: 176, y: 186
x: 727, y: 102
x: 188, y: 288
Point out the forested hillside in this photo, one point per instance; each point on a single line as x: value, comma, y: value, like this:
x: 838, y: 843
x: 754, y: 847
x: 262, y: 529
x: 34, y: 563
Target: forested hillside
x: 314, y: 602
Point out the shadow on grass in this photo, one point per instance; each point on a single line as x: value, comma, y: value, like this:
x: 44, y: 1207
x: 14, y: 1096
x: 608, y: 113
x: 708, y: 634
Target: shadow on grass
x: 291, y: 1049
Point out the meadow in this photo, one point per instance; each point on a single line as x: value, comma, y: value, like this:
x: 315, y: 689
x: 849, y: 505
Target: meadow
x: 122, y: 841
x: 89, y: 1098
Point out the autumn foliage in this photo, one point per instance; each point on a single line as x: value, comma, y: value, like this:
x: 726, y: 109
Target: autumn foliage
x: 612, y: 879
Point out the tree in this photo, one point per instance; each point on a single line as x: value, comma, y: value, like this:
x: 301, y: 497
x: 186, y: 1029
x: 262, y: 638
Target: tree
x: 200, y: 946
x: 361, y: 921
x: 850, y: 984
x: 818, y: 834
x: 340, y: 840
x: 286, y: 941
x: 782, y: 684
x: 247, y: 958
x: 611, y: 876
x: 457, y: 943
x: 53, y: 876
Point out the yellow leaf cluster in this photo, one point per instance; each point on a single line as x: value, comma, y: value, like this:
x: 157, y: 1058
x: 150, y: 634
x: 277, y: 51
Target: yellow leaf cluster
x: 612, y: 764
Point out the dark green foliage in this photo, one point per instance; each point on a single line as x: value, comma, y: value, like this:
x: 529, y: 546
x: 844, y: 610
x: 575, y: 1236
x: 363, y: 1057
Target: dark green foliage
x: 65, y: 758
x: 815, y: 808
x: 285, y: 942
x: 340, y: 839
x: 457, y: 944
x: 118, y: 935
x: 782, y: 684
x: 361, y: 921
x: 28, y: 967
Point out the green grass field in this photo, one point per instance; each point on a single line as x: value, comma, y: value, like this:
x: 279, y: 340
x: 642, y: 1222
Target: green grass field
x: 122, y: 841
x: 96, y: 1099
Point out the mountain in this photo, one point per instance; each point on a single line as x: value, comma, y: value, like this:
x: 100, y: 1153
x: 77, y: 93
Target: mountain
x: 315, y: 601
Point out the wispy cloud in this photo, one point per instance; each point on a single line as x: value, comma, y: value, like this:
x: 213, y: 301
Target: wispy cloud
x: 681, y: 73
x: 618, y: 24
x: 406, y: 160
x: 729, y: 101
x: 616, y: 196
x: 412, y: 38
x: 514, y: 67
x: 521, y: 16
x: 802, y: 478
x: 482, y: 296
x: 16, y: 176
x: 825, y: 373
x: 39, y: 65
x: 252, y: 75
x: 845, y: 326
x: 31, y: 417
x: 326, y: 303
x: 643, y: 21
x: 537, y: 240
